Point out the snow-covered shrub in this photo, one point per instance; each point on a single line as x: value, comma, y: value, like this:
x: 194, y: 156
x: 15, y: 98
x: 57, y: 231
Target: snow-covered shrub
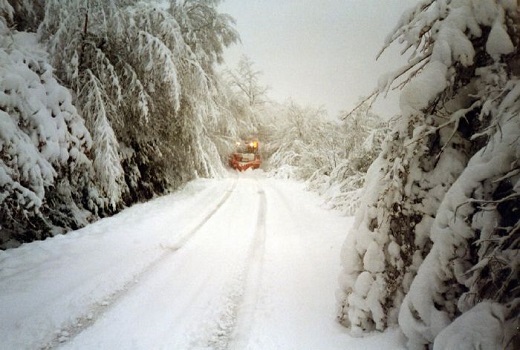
x: 43, y: 144
x: 305, y: 143
x: 438, y: 229
x: 360, y: 137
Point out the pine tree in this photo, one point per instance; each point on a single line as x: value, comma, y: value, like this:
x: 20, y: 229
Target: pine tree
x: 439, y: 224
x: 44, y: 145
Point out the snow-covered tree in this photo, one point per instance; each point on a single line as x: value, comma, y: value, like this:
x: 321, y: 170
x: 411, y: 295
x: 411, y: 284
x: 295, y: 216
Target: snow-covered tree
x: 153, y: 111
x: 359, y: 141
x: 253, y: 112
x: 43, y: 145
x: 305, y: 143
x: 246, y: 80
x: 146, y: 72
x: 206, y: 31
x: 331, y: 157
x: 436, y: 239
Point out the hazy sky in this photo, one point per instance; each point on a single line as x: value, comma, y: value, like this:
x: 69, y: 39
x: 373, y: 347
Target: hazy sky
x: 317, y: 52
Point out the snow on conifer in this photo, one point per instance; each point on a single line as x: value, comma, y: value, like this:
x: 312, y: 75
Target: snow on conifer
x: 43, y: 141
x: 438, y: 231
x: 151, y: 79
x: 150, y: 107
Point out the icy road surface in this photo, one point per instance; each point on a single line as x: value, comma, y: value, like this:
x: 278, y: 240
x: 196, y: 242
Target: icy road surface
x: 246, y: 262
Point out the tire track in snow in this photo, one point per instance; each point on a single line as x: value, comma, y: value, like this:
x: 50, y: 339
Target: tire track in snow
x: 231, y: 327
x: 80, y: 324
x: 183, y: 240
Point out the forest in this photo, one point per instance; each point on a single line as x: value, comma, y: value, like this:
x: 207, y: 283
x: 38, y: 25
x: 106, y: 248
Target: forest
x: 109, y: 103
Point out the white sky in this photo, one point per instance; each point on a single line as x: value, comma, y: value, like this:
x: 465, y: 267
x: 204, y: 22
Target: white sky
x: 318, y: 52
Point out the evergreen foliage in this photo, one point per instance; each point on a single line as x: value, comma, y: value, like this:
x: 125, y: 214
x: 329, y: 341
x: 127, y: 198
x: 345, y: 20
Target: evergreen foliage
x: 44, y: 145
x: 155, y: 113
x: 437, y: 235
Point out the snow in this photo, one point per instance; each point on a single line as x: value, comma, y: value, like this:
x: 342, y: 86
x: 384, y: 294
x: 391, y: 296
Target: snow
x: 420, y: 92
x: 245, y: 262
x: 420, y: 317
x: 480, y: 328
x: 499, y: 43
x: 41, y: 132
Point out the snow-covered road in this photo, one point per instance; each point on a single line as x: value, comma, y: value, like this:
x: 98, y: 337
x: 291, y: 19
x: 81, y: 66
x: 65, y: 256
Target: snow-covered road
x: 245, y: 262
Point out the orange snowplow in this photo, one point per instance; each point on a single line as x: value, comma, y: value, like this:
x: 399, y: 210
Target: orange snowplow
x: 246, y: 156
